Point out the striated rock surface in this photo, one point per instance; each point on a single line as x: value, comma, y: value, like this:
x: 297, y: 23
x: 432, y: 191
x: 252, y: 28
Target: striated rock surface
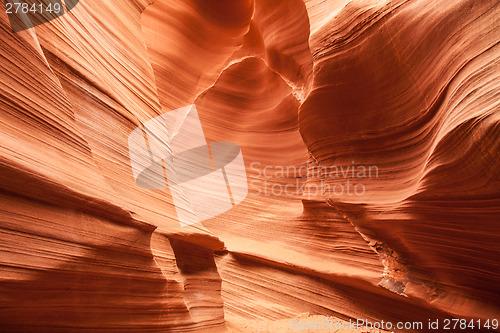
x: 370, y: 135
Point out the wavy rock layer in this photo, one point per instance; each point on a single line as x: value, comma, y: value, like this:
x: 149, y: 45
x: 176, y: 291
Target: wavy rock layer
x: 423, y: 108
x: 312, y: 92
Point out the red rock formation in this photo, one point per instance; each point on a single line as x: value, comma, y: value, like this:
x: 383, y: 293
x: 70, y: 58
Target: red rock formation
x: 315, y: 93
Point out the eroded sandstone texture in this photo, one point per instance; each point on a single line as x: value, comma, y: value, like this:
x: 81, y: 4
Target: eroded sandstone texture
x: 306, y: 89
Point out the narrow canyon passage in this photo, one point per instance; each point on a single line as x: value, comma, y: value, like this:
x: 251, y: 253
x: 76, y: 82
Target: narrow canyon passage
x: 363, y: 184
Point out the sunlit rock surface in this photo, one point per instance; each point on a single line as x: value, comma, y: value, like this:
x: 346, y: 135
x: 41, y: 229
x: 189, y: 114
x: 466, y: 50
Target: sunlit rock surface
x: 394, y: 103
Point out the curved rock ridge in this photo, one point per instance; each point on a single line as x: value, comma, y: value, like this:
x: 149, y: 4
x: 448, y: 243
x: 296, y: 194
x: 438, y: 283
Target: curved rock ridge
x: 413, y: 91
x: 370, y: 137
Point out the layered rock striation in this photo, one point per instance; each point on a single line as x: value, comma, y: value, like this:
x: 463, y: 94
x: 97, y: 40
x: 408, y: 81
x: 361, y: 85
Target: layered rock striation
x: 370, y: 136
